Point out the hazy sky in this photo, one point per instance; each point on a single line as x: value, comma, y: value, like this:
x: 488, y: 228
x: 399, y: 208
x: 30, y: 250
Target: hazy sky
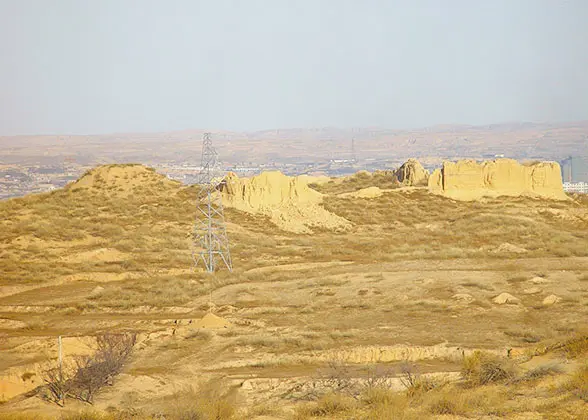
x: 97, y: 66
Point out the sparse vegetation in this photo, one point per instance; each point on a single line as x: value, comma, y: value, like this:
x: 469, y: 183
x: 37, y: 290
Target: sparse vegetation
x: 484, y: 368
x: 414, y: 383
x: 381, y: 179
x: 295, y: 301
x: 576, y: 347
x: 541, y: 371
x: 578, y: 384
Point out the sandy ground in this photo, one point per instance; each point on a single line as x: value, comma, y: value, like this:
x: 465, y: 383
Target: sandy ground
x: 411, y: 282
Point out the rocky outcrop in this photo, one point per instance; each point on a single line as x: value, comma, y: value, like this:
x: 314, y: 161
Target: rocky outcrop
x: 470, y: 180
x: 412, y: 174
x: 288, y: 201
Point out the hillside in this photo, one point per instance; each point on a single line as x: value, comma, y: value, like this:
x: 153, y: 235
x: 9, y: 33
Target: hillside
x: 416, y: 283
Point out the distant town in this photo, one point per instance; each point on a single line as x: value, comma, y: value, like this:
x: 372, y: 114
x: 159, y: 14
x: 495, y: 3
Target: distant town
x: 34, y: 164
x: 18, y: 180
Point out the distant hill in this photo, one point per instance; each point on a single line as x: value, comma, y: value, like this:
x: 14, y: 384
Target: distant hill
x: 518, y: 140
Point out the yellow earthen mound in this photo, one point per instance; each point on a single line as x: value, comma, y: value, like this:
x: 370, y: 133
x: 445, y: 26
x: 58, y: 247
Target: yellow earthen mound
x: 122, y: 179
x: 212, y: 321
x: 287, y: 201
x: 412, y: 174
x: 369, y: 192
x: 470, y: 180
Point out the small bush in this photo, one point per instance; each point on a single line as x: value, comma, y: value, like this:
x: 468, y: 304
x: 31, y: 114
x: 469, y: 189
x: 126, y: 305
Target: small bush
x: 378, y: 396
x: 261, y: 410
x: 328, y: 406
x: 443, y: 405
x: 578, y: 385
x: 209, y: 403
x: 541, y: 371
x: 207, y: 410
x: 483, y: 368
x: 414, y: 383
x: 383, y: 404
x: 576, y: 347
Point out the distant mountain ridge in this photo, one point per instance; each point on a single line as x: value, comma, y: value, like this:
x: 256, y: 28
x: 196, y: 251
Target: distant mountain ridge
x: 520, y: 140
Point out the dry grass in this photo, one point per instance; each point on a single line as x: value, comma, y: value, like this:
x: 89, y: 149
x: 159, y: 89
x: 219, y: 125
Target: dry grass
x: 578, y: 384
x: 495, y: 400
x: 328, y: 406
x: 384, y: 404
x: 152, y: 230
x: 355, y: 182
x: 436, y: 227
x: 539, y: 372
x: 576, y: 347
x: 483, y: 369
x: 209, y: 403
x: 490, y: 388
x: 402, y: 273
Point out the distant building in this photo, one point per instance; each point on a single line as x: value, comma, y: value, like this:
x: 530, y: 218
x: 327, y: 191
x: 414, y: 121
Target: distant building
x: 576, y: 187
x: 46, y: 187
x: 574, y: 169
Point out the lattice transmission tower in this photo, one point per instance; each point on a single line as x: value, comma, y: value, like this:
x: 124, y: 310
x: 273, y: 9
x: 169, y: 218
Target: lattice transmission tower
x: 210, y: 240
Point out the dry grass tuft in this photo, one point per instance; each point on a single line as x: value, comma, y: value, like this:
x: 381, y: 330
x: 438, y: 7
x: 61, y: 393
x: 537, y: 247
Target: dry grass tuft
x: 483, y: 369
x: 548, y: 369
x: 576, y: 347
x: 578, y: 385
x: 327, y: 406
x: 209, y: 403
x: 444, y: 404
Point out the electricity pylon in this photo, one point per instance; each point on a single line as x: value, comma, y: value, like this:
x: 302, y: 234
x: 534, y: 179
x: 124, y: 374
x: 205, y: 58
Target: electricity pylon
x: 210, y: 241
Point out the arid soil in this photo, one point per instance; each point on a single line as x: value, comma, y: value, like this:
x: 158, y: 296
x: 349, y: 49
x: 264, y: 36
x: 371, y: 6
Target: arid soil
x: 393, y: 317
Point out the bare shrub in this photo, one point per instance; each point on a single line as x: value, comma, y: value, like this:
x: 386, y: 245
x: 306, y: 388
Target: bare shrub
x: 338, y: 378
x: 414, y: 383
x: 96, y: 371
x: 90, y: 373
x: 378, y: 378
x: 483, y: 368
x: 56, y: 386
